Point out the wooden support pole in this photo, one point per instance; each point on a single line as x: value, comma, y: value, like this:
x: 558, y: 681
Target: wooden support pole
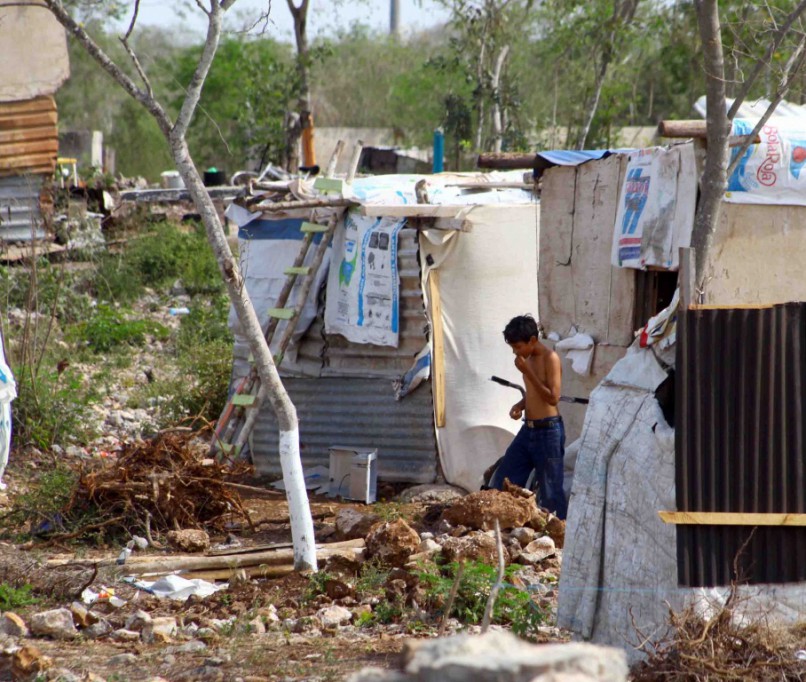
x: 695, y: 129
x: 334, y: 160
x: 437, y: 347
x: 731, y: 518
x: 354, y: 161
x: 506, y: 160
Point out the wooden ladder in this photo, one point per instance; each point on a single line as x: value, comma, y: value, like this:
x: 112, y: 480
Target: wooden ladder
x: 240, y: 414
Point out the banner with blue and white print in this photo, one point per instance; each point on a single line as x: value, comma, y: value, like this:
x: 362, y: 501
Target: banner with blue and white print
x: 363, y: 287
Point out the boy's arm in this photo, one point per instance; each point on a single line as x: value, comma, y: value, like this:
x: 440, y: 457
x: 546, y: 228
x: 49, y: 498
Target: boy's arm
x: 551, y: 389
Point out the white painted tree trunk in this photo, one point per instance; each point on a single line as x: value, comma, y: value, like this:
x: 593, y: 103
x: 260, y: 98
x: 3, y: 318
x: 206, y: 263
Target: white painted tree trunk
x: 174, y: 132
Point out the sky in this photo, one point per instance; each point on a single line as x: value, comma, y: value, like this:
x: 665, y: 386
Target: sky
x: 325, y: 17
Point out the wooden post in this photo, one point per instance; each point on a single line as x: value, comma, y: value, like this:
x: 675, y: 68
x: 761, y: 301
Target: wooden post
x: 334, y: 160
x: 685, y: 278
x: 437, y: 347
x: 359, y: 145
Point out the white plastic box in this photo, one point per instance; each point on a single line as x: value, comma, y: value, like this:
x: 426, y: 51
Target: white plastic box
x: 354, y: 473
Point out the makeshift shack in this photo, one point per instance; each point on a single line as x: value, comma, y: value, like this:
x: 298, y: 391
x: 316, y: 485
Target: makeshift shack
x: 33, y: 71
x: 414, y: 290
x: 691, y: 461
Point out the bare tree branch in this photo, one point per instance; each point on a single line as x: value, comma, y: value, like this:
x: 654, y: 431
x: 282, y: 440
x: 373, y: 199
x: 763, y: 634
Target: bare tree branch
x: 78, y: 32
x: 215, y: 21
x: 761, y: 64
x: 134, y: 19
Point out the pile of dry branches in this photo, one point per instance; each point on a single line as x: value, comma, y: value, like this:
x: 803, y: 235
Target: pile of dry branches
x: 723, y: 647
x: 157, y: 485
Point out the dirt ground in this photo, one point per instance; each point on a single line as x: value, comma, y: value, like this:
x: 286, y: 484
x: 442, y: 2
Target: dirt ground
x: 228, y: 645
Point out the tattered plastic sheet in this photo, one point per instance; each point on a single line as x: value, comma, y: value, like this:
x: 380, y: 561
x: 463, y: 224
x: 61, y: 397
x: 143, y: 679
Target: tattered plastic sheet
x: 8, y: 391
x: 176, y: 587
x: 363, y: 289
x: 655, y: 213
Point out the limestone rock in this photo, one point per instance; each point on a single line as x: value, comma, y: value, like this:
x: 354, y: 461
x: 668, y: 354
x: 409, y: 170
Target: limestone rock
x: 13, y: 625
x: 189, y: 540
x: 333, y: 616
x: 540, y: 549
x: 124, y: 635
x: 475, y: 546
x: 27, y: 664
x: 160, y: 629
x: 393, y: 542
x: 138, y: 620
x: 352, y: 524
x: 62, y: 675
x: 499, y: 656
x: 479, y: 510
x: 82, y: 616
x: 56, y: 623
x: 555, y: 528
x: 122, y: 659
x: 97, y: 630
x: 431, y: 493
x: 523, y: 535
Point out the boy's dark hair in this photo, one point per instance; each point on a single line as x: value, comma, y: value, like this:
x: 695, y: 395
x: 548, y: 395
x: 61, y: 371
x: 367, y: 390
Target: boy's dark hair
x: 521, y: 328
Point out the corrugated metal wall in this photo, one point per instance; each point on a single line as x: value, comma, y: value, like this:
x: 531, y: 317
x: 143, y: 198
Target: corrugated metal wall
x: 355, y: 413
x: 29, y: 141
x: 349, y: 399
x: 741, y: 401
x: 20, y: 215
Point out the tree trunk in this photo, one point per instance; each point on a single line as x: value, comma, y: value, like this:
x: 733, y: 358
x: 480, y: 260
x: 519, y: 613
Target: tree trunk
x: 301, y: 521
x: 304, y: 119
x: 498, y: 132
x: 712, y: 184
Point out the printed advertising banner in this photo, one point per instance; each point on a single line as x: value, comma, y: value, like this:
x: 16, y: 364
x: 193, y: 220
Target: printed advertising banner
x: 656, y: 206
x: 363, y: 287
x: 771, y: 172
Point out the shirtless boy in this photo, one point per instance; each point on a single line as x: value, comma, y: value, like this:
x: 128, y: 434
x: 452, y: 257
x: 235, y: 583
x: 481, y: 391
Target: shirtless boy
x: 540, y: 444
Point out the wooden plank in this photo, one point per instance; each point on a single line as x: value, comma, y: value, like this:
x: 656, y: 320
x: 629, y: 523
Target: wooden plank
x: 731, y: 518
x: 43, y: 103
x: 30, y: 148
x: 28, y: 134
x: 412, y: 211
x: 438, y: 348
x: 243, y: 399
x: 24, y: 121
x: 304, y: 270
x: 328, y: 185
x: 313, y: 228
x: 282, y: 313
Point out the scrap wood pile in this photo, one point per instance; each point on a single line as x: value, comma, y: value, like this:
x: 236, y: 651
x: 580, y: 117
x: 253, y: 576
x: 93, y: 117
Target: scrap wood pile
x: 724, y: 646
x: 161, y: 484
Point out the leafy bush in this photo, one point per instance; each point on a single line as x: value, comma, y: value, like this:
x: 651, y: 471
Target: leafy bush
x: 513, y: 606
x: 156, y: 260
x: 108, y: 328
x: 52, y: 407
x: 15, y: 597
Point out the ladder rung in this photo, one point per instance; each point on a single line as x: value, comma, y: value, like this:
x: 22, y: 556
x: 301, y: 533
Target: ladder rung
x: 282, y: 313
x: 229, y: 449
x: 313, y: 227
x: 328, y: 184
x: 243, y: 399
x: 304, y: 270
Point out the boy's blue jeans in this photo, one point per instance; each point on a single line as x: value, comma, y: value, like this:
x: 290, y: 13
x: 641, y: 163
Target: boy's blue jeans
x: 540, y: 448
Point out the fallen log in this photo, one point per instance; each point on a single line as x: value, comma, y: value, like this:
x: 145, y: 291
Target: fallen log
x: 269, y: 206
x: 277, y: 557
x: 696, y: 129
x: 507, y: 160
x: 251, y: 572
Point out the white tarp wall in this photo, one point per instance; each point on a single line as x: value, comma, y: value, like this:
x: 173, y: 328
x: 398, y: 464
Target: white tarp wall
x: 620, y: 560
x: 486, y: 277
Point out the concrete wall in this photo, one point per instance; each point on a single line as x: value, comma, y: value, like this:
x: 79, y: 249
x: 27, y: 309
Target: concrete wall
x: 758, y: 256
x: 33, y: 53
x: 577, y: 286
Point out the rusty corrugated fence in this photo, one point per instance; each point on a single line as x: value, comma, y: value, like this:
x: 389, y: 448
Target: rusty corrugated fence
x: 741, y: 401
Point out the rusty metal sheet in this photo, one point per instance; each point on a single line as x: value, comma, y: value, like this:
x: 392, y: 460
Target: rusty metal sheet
x: 741, y: 401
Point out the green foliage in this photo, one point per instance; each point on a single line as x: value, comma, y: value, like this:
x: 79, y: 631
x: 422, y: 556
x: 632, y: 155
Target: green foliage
x: 109, y: 328
x: 42, y: 504
x: 52, y: 407
x: 15, y: 597
x: 156, y: 260
x: 243, y: 105
x: 513, y: 606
